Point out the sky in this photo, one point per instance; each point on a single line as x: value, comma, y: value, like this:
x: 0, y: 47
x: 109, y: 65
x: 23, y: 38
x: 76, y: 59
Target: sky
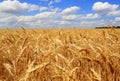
x: 59, y: 13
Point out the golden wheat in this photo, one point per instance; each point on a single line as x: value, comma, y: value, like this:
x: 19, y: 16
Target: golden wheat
x: 60, y: 55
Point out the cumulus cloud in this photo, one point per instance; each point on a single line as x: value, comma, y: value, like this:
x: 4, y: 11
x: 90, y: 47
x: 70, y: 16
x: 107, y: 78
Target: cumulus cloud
x: 41, y: 16
x: 8, y: 21
x: 52, y: 16
x: 102, y: 7
x: 87, y: 23
x: 26, y: 19
x: 53, y: 1
x: 32, y: 7
x: 16, y: 7
x: 42, y: 19
x: 45, y: 15
x: 5, y: 15
x: 43, y: 8
x: 114, y: 13
x: 54, y: 9
x: 117, y: 19
x: 70, y: 10
x: 91, y: 16
x: 70, y: 17
x: 47, y: 19
x: 63, y: 22
x: 79, y: 17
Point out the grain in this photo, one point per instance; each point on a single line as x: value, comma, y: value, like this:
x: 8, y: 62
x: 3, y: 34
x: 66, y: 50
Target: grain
x: 60, y: 55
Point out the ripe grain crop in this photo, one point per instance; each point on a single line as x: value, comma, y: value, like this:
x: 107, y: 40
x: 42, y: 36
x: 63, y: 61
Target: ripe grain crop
x: 60, y: 55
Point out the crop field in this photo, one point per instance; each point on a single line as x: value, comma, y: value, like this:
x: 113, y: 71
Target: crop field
x: 60, y: 54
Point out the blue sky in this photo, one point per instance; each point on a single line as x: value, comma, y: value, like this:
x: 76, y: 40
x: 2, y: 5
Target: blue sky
x: 59, y: 13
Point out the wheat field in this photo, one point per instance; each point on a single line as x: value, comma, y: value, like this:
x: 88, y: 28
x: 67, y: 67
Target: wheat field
x: 60, y: 54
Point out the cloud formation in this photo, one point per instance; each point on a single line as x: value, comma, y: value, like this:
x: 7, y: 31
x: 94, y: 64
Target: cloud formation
x: 117, y: 19
x: 53, y: 1
x: 102, y: 7
x: 12, y: 14
x: 70, y: 10
x: 16, y: 7
x: 114, y: 13
x: 91, y: 16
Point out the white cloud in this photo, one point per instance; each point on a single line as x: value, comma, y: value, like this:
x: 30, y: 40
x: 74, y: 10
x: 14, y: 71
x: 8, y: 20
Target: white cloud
x: 87, y: 23
x: 81, y: 17
x: 114, y: 13
x: 91, y: 16
x: 50, y: 16
x: 102, y: 7
x: 53, y: 1
x: 46, y: 15
x: 26, y: 18
x: 70, y: 10
x: 40, y: 16
x: 70, y: 17
x: 48, y: 19
x: 16, y: 7
x: 8, y: 21
x: 54, y: 9
x: 43, y: 19
x: 100, y: 23
x: 43, y: 8
x: 64, y: 22
x: 117, y: 19
x: 5, y: 15
x: 32, y: 7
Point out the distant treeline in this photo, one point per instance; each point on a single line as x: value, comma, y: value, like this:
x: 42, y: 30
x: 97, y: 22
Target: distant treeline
x: 108, y: 27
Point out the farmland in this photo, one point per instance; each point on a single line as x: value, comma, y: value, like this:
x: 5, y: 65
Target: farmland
x: 60, y: 54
